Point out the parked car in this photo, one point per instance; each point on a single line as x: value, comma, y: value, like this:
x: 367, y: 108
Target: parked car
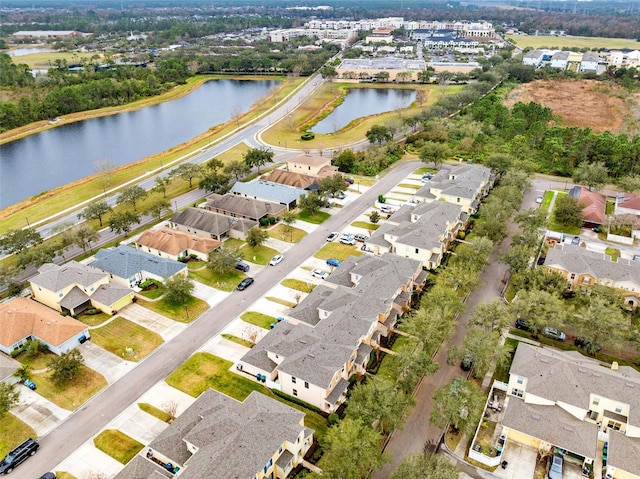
x: 244, y: 284
x: 467, y: 363
x: 30, y: 384
x: 584, y: 343
x: 539, y: 199
x: 426, y: 177
x: 386, y: 209
x: 575, y: 241
x: 340, y: 195
x: 333, y: 262
x: 348, y: 239
x: 349, y: 180
x: 361, y: 238
x: 523, y: 324
x: 48, y: 475
x: 18, y: 455
x: 332, y: 236
x: 555, y: 467
x: 318, y: 273
x: 242, y: 266
x: 553, y: 333
x: 276, y: 259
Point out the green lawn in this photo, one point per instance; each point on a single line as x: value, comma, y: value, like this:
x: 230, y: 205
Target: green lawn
x: 237, y: 340
x: 39, y: 361
x: 610, y: 207
x: 298, y: 285
x: 533, y: 41
x: 233, y: 244
x: 203, y: 370
x: 258, y: 319
x: 154, y: 411
x: 224, y: 282
x: 410, y: 186
x: 338, y: 251
x: 316, y: 219
x: 153, y: 293
x: 181, y: 313
x: 195, y: 265
x: 121, y: 334
x: 289, y: 234
x: 73, y: 394
x: 12, y: 432
x: 546, y: 200
x: 259, y: 255
x: 93, y: 319
x: 281, y: 301
x: 365, y: 225
x: 117, y: 445
x: 613, y: 252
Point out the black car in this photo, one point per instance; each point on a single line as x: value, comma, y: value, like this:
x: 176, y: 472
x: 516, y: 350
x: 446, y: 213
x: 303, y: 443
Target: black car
x: 523, y: 324
x: 584, y: 343
x: 242, y: 266
x: 18, y: 455
x: 48, y: 475
x: 467, y: 363
x: 244, y: 284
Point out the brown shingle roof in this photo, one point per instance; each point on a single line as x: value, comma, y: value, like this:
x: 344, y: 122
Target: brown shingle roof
x: 290, y: 178
x: 240, y: 206
x: 175, y: 242
x: 22, y: 317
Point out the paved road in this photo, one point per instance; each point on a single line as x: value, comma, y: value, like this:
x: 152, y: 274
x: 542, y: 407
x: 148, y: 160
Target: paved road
x: 94, y: 415
x: 418, y: 435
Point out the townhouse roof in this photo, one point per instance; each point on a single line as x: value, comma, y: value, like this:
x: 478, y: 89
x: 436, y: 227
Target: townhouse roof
x: 575, y: 259
x: 240, y: 206
x: 590, y: 57
x: 311, y: 160
x: 624, y: 452
x: 290, y: 178
x: 268, y: 191
x: 569, y: 377
x: 629, y: 201
x: 74, y: 298
x: 554, y: 425
x: 142, y: 468
x: 561, y: 55
x: 125, y: 262
x: 203, y: 220
x: 594, y: 204
x: 55, y: 277
x: 464, y: 181
x: 23, y: 317
x: 534, y: 54
x: 233, y: 439
x: 175, y: 242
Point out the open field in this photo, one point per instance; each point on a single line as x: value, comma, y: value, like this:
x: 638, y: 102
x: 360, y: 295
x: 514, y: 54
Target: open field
x: 600, y: 106
x: 532, y: 41
x: 39, y: 61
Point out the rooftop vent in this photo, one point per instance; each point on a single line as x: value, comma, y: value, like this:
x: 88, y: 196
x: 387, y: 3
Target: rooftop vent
x: 614, y: 366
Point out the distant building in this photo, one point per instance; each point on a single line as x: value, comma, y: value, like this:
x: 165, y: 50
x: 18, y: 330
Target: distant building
x: 370, y: 68
x: 47, y: 34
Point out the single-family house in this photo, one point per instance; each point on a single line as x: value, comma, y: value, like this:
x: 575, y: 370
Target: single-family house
x: 266, y: 191
x: 564, y: 401
x: 244, y: 208
x: 72, y: 288
x: 559, y: 60
x: 330, y: 335
x: 22, y: 320
x: 421, y: 231
x: 594, y: 205
x: 464, y: 185
x: 583, y: 268
x: 312, y: 165
x: 221, y: 437
x: 589, y: 62
x: 627, y: 204
x: 207, y: 224
x: 533, y: 58
x: 175, y: 244
x: 8, y: 366
x: 129, y: 266
x: 289, y: 178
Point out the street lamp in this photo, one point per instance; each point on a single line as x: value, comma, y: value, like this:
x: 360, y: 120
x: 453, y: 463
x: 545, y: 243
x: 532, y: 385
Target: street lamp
x: 28, y: 225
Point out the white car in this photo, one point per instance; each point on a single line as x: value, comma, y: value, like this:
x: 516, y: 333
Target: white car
x: 348, y: 239
x: 318, y: 273
x: 332, y: 236
x: 539, y: 199
x: 276, y: 259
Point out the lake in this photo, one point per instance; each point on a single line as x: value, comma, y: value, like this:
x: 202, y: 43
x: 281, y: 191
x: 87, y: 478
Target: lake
x: 61, y: 155
x: 361, y: 102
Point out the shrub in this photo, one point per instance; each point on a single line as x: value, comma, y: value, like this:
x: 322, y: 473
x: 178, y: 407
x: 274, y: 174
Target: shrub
x: 333, y: 419
x: 264, y: 221
x: 148, y: 283
x: 272, y: 220
x: 381, y: 199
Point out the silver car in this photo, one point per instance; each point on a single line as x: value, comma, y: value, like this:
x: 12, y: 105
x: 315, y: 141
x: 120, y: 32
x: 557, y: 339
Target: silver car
x: 555, y: 470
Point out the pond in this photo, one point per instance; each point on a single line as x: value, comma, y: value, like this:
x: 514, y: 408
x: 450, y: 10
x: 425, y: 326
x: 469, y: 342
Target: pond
x: 61, y: 155
x: 20, y: 52
x: 361, y: 102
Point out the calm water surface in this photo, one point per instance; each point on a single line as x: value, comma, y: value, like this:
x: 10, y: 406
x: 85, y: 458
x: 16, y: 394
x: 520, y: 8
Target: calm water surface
x: 67, y: 153
x: 361, y: 102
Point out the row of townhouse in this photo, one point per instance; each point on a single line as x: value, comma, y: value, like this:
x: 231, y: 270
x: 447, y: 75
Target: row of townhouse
x: 466, y: 29
x: 564, y: 60
x: 438, y: 39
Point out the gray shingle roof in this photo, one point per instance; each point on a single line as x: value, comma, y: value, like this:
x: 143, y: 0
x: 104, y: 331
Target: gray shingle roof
x: 241, y: 206
x: 75, y: 297
x: 142, y: 468
x: 110, y: 293
x: 54, y: 278
x: 203, y: 220
x: 624, y: 452
x: 125, y: 262
x: 268, y: 191
x: 8, y: 366
x: 464, y: 181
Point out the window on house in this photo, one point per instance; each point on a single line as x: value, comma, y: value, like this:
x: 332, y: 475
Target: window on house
x: 306, y: 385
x: 293, y: 379
x: 417, y: 250
x: 458, y: 199
x: 520, y: 379
x: 618, y: 408
x: 595, y: 401
x: 586, y: 280
x: 517, y: 392
x: 573, y: 276
x: 295, y: 392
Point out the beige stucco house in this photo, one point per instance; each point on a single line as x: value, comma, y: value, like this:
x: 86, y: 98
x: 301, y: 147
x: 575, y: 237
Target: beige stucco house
x: 311, y: 165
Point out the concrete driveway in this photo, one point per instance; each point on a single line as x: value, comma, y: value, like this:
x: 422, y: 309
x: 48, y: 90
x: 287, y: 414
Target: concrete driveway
x: 209, y: 295
x: 88, y: 461
x: 102, y: 361
x: 225, y: 349
x: 521, y: 462
x: 167, y: 328
x: 135, y: 423
x: 39, y: 413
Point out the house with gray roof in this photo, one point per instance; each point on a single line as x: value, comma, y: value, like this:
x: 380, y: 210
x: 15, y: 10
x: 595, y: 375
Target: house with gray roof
x: 464, y: 185
x: 329, y: 336
x: 421, y: 231
x: 220, y: 437
x: 242, y: 207
x: 564, y: 400
x: 267, y: 191
x: 129, y: 266
x: 560, y: 60
x: 582, y: 268
x: 533, y: 58
x: 73, y: 288
x: 208, y: 224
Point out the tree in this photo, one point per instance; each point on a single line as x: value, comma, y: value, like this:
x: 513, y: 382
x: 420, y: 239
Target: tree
x: 237, y: 169
x: 122, y: 222
x: 256, y: 237
x: 518, y: 257
x: 499, y: 162
x: 95, y: 211
x: 66, y: 367
x: 378, y: 134
x: 288, y: 219
x: 539, y: 308
x: 378, y: 403
x: 418, y: 466
x: 568, y: 211
x: 16, y: 241
x: 258, y: 157
x: 9, y: 398
x: 187, y: 172
x: 601, y: 323
x: 345, y: 161
x: 215, y: 182
x: 459, y: 403
x: 491, y: 316
x: 592, y: 175
x: 161, y: 185
x: 311, y: 202
x: 630, y: 183
x: 104, y: 167
x: 484, y: 348
x: 131, y: 196
x: 159, y: 208
x: 328, y: 71
x: 332, y: 185
x: 434, y: 152
x: 374, y: 217
x: 37, y: 255
x: 352, y: 451
x: 83, y: 235
x: 179, y: 288
x: 222, y: 260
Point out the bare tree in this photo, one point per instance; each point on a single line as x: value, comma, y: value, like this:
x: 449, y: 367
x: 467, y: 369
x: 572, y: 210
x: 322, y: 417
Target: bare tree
x: 95, y: 475
x: 104, y: 167
x: 297, y: 296
x: 171, y: 408
x: 250, y: 334
x: 236, y: 114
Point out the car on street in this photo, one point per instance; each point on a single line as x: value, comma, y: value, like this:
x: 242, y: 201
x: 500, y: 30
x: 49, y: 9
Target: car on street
x: 426, y: 177
x: 18, y: 455
x: 332, y: 236
x: 555, y: 467
x: 318, y: 273
x: 539, y: 199
x: 553, y: 333
x: 333, y: 262
x: 361, y: 237
x: 523, y: 324
x: 575, y: 241
x: 30, y: 384
x: 244, y: 284
x: 276, y: 259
